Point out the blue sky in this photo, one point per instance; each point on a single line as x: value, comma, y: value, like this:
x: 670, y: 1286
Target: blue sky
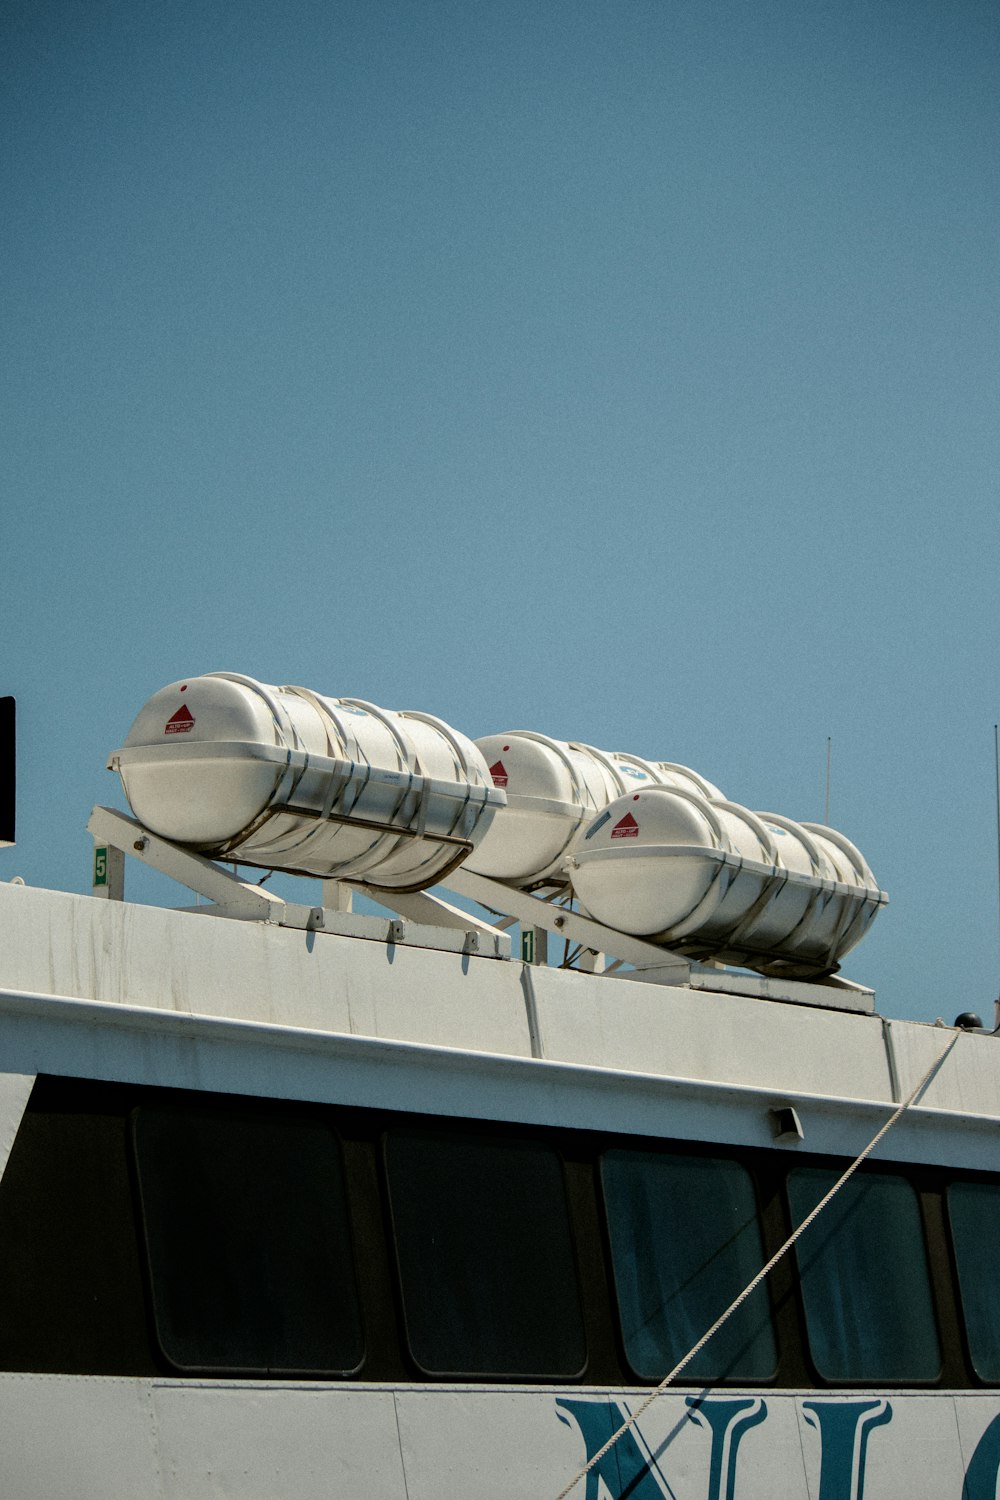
x: 623, y: 371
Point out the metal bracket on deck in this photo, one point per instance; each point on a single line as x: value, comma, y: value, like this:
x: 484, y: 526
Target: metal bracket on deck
x: 230, y: 896
x: 536, y: 913
x: 116, y: 835
x: 426, y: 920
x: 605, y: 950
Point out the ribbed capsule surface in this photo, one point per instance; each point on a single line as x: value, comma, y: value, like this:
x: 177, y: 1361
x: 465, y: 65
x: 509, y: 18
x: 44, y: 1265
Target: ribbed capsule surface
x: 290, y: 779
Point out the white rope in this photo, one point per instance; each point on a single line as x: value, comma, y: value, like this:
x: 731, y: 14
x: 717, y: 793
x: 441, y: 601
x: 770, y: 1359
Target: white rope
x: 755, y: 1283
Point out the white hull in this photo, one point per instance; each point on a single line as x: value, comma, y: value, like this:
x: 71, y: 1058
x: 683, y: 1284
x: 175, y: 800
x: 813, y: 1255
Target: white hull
x: 141, y: 996
x: 67, y: 1438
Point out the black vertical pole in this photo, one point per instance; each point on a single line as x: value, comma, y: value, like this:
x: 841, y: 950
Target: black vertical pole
x: 8, y: 775
x: 996, y: 764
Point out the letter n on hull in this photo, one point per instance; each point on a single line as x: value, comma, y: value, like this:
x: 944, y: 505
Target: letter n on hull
x: 628, y: 1472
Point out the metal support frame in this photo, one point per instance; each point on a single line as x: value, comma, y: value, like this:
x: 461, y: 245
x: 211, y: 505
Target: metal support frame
x: 425, y: 921
x: 421, y: 906
x: 429, y: 921
x: 230, y: 896
x: 604, y: 951
x: 593, y: 937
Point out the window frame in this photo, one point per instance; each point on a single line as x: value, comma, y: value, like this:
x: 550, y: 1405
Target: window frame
x: 964, y: 1179
x: 692, y: 1151
x: 494, y: 1133
x: 238, y: 1108
x: 878, y: 1168
x: 61, y: 1336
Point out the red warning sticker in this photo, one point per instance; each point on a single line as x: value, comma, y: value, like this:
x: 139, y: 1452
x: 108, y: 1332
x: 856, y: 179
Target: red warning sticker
x: 628, y: 828
x: 182, y: 721
x: 499, y: 773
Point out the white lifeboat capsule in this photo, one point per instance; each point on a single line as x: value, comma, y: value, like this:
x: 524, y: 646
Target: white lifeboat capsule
x: 713, y: 879
x: 287, y: 779
x: 553, y: 788
x: 672, y: 774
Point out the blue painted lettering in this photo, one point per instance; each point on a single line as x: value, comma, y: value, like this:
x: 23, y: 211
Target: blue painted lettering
x: 625, y: 1470
x: 844, y: 1430
x: 984, y: 1470
x: 728, y: 1421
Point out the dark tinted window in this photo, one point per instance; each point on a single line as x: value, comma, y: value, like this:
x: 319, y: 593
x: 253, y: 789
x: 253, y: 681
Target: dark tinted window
x: 71, y: 1285
x: 865, y: 1285
x: 485, y: 1256
x: 684, y: 1243
x: 247, y: 1238
x: 974, y: 1212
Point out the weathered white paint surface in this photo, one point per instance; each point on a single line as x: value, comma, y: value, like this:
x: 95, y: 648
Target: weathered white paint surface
x: 14, y: 1091
x: 202, y: 1002
x: 727, y: 1038
x: 104, y: 990
x: 75, y: 1438
x: 58, y: 944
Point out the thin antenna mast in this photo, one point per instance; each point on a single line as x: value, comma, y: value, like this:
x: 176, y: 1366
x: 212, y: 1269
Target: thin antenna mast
x: 826, y: 804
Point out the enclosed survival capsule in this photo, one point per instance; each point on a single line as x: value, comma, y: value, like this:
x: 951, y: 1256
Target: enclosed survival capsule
x: 713, y: 880
x: 553, y: 789
x: 288, y: 779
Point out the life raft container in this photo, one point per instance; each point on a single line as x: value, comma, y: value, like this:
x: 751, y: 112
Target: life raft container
x: 553, y: 789
x: 288, y: 779
x: 711, y: 879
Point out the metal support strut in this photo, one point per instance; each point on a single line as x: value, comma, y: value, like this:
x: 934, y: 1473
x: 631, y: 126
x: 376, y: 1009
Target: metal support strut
x: 117, y: 835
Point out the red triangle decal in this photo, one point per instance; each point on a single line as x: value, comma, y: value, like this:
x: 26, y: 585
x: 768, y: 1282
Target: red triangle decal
x: 499, y: 773
x: 627, y: 828
x: 181, y: 721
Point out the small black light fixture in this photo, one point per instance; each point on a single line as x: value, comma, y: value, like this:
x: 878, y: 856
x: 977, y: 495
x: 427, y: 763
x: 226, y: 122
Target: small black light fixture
x: 968, y: 1021
x: 786, y: 1126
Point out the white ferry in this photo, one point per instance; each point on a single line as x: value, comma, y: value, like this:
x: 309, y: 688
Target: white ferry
x: 302, y: 1201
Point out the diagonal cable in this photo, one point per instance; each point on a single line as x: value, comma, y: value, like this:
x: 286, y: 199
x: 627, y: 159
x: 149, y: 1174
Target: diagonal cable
x: 755, y: 1283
